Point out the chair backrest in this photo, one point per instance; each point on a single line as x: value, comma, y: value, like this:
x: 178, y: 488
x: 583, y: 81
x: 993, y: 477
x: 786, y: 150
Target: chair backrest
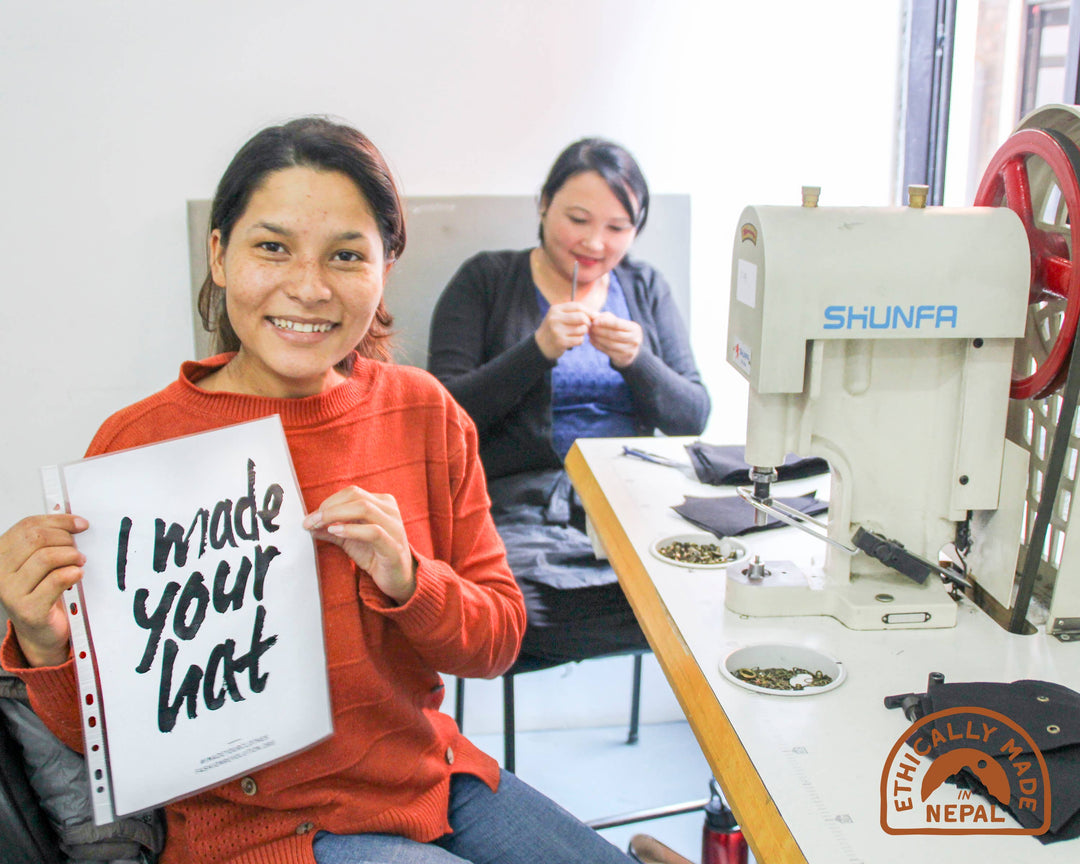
x: 445, y: 230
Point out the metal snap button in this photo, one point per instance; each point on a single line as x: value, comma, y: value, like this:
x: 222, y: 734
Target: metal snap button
x: 248, y: 786
x: 305, y: 827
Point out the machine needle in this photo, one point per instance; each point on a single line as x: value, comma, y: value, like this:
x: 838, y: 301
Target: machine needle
x: 573, y: 285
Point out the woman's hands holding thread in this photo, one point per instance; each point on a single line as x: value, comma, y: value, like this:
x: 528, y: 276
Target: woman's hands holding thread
x: 618, y: 338
x: 566, y: 325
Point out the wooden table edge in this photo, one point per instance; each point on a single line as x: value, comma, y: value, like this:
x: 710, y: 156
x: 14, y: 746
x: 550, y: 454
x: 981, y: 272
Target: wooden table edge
x: 766, y: 832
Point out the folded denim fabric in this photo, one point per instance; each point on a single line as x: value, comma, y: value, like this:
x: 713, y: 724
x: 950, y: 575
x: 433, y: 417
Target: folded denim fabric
x: 725, y: 465
x: 730, y: 516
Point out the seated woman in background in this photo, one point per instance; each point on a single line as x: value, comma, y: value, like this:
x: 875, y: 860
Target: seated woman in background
x: 570, y: 339
x: 306, y: 225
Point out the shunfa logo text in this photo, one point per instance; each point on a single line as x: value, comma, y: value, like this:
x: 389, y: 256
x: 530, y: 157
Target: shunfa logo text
x: 889, y: 317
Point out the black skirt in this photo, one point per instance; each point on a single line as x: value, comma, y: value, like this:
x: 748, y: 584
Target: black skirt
x: 575, y: 607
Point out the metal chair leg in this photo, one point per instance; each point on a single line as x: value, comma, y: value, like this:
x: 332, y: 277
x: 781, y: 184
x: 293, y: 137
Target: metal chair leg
x: 509, y: 741
x: 459, y: 703
x: 635, y: 702
x: 508, y: 723
x: 644, y: 815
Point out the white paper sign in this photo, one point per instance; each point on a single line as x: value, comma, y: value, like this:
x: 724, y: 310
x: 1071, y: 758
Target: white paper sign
x: 746, y: 283
x: 200, y: 603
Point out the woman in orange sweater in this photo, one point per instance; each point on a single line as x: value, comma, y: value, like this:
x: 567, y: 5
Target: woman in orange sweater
x: 306, y: 225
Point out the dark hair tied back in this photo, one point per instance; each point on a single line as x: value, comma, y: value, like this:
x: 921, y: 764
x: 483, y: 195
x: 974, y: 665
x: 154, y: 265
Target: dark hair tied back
x: 612, y: 162
x: 320, y: 144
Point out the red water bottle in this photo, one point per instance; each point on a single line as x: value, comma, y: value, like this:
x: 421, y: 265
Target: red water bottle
x: 721, y: 840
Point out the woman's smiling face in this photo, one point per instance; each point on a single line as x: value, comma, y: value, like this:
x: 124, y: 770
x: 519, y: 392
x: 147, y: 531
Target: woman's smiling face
x: 303, y: 274
x: 584, y: 223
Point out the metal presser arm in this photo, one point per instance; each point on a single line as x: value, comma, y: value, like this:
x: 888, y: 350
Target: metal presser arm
x: 880, y: 339
x: 762, y: 480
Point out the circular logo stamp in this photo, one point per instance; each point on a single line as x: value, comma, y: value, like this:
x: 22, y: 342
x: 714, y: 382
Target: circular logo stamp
x: 999, y: 769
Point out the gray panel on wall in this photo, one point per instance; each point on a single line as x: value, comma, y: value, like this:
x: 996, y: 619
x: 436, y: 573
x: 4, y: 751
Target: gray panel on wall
x: 445, y: 230
x: 198, y: 223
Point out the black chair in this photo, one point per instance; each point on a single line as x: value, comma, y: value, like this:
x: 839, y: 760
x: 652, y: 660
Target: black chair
x: 526, y: 663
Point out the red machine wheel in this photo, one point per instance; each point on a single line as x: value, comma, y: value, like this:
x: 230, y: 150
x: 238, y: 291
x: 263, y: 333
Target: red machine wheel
x: 1054, y: 278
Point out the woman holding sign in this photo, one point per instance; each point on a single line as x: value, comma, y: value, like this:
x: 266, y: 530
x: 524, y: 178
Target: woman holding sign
x: 305, y: 228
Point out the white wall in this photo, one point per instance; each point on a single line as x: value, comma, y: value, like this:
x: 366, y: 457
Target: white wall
x: 115, y: 112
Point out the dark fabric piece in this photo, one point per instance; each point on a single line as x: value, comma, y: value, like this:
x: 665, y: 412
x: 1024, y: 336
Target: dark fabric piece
x: 574, y: 606
x: 1038, y: 707
x: 129, y: 839
x: 60, y: 784
x: 482, y: 349
x: 559, y: 556
x: 542, y: 523
x: 25, y: 835
x: 568, y: 625
x: 725, y: 465
x: 730, y: 516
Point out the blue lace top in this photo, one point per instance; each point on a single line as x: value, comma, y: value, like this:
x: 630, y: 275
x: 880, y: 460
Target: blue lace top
x: 589, y: 397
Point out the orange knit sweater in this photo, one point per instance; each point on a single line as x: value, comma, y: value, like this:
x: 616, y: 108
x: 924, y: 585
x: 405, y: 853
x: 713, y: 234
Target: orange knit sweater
x: 387, y: 766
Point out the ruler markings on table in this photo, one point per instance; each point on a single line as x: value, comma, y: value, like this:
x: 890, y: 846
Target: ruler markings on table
x: 833, y: 821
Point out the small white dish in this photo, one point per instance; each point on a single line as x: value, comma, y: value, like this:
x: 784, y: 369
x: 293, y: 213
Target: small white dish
x: 701, y: 539
x: 782, y: 657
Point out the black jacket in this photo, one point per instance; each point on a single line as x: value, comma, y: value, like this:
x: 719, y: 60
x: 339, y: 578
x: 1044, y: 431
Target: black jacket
x: 481, y: 347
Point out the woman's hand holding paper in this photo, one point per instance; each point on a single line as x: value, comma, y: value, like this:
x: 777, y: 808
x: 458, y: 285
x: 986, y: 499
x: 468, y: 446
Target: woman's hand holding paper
x: 369, y: 527
x: 38, y: 562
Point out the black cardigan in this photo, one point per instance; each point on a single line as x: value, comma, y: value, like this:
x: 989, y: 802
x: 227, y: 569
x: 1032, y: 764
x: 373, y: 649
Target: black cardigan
x: 481, y: 347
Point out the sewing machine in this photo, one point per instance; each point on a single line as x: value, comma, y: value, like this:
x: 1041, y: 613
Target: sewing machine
x: 882, y: 340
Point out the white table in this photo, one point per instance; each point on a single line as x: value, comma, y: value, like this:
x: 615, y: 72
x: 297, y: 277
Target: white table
x: 802, y: 774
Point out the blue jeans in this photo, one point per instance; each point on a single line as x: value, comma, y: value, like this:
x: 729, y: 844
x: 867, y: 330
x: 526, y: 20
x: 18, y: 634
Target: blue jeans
x: 516, y: 825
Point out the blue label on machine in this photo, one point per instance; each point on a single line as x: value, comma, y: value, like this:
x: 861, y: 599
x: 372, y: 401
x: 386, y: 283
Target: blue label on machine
x: 890, y: 317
